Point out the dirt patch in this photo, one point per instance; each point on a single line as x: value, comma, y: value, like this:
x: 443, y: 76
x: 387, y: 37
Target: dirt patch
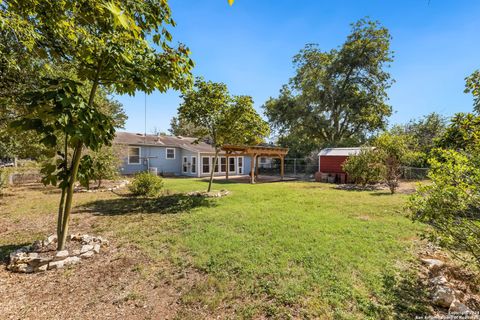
x: 111, y: 286
x: 120, y: 283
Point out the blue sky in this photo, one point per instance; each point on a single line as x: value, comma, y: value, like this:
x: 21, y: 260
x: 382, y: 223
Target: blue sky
x: 250, y: 47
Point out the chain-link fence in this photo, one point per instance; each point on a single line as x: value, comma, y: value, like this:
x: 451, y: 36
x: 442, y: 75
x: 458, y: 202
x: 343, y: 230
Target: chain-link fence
x: 412, y: 173
x: 301, y: 168
x: 305, y: 168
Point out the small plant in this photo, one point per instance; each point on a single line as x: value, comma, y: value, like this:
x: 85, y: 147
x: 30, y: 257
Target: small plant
x: 146, y: 184
x: 3, y: 179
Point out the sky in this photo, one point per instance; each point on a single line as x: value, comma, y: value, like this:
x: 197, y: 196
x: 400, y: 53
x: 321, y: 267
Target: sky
x: 250, y: 46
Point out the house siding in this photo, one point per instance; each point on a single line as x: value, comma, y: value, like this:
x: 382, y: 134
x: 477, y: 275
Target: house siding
x: 156, y: 156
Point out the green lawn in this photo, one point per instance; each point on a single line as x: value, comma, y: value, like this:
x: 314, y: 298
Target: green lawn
x: 285, y: 250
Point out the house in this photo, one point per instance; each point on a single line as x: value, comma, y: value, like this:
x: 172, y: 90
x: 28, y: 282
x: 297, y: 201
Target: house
x: 175, y: 156
x: 330, y: 164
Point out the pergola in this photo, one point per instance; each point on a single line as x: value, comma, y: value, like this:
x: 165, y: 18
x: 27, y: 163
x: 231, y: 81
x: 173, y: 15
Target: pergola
x: 254, y: 152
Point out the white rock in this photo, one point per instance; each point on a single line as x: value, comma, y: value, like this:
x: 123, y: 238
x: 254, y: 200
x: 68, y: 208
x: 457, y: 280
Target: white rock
x: 42, y: 268
x: 443, y: 296
x: 33, y: 255
x: 96, y: 248
x: 85, y: 248
x: 62, y: 255
x: 433, y: 263
x: 71, y: 261
x: 52, y: 238
x: 56, y: 265
x: 458, y: 308
x: 440, y: 280
x: 75, y: 252
x: 87, y: 254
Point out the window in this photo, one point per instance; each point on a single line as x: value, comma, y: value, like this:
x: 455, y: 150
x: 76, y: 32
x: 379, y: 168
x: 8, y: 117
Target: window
x: 231, y: 164
x: 223, y: 164
x: 170, y: 153
x: 240, y: 165
x: 205, y: 164
x: 133, y: 155
x: 193, y: 168
x: 185, y: 165
x: 263, y: 160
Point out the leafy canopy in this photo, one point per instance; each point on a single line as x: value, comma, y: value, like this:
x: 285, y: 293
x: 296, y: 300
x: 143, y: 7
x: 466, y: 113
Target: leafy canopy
x: 337, y: 95
x: 225, y: 119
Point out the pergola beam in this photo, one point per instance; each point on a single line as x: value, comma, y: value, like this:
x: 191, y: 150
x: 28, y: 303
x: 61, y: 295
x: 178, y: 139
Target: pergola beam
x: 254, y: 152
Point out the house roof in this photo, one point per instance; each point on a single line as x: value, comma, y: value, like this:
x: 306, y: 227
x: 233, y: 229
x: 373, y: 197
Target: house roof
x: 139, y: 139
x: 340, y: 151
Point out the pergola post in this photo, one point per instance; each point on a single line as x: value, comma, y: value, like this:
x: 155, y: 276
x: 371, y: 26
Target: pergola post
x: 252, y: 167
x: 282, y: 167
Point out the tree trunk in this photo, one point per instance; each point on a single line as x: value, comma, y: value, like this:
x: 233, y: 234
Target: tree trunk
x: 62, y: 230
x: 62, y: 236
x: 213, y: 170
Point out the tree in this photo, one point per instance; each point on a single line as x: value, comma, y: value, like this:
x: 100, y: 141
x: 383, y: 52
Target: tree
x: 394, y: 151
x: 450, y: 204
x: 366, y: 167
x: 106, y: 44
x: 473, y: 86
x: 463, y: 133
x: 98, y: 166
x: 423, y: 133
x: 339, y: 94
x: 182, y: 127
x: 226, y: 119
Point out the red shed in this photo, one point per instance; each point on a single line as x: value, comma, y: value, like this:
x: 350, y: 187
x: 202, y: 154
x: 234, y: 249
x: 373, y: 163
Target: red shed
x: 330, y: 163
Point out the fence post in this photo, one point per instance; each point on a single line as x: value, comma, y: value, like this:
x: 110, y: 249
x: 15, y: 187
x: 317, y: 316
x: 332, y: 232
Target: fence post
x: 295, y: 167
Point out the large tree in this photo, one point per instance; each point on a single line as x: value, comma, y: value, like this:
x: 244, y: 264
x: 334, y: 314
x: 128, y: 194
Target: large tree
x: 107, y: 44
x: 337, y: 96
x: 226, y: 119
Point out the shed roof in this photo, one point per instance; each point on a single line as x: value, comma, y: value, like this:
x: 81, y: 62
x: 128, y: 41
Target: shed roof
x: 140, y: 139
x: 340, y: 151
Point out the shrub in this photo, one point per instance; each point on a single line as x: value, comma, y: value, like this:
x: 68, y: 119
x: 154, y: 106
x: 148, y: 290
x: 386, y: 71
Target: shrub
x: 364, y: 168
x: 395, y: 150
x: 450, y: 204
x: 146, y: 184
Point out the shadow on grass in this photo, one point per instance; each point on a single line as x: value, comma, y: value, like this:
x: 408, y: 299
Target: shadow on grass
x: 6, y: 249
x: 167, y: 204
x: 407, y: 295
x: 356, y: 187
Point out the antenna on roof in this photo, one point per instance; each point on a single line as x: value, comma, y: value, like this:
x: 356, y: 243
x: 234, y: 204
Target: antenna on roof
x: 145, y: 114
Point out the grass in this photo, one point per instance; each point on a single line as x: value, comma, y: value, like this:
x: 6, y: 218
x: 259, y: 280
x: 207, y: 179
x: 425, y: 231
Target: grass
x: 281, y: 250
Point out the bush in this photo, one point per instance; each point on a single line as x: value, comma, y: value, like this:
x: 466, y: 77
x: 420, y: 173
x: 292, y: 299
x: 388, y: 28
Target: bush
x: 364, y: 168
x: 146, y: 184
x: 451, y: 203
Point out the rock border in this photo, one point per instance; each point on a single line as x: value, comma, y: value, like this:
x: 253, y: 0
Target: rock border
x: 28, y: 259
x: 211, y: 194
x: 443, y: 292
x: 123, y: 183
